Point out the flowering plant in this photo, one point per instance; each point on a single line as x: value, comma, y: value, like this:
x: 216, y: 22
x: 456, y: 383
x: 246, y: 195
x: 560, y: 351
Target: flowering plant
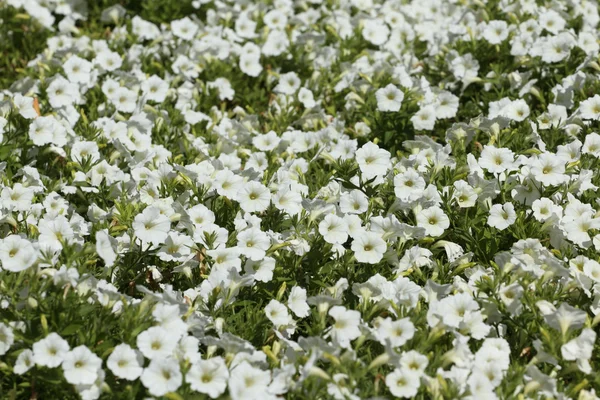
x: 299, y: 199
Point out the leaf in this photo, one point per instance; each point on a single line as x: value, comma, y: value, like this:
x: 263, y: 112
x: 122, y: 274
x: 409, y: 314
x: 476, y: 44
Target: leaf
x: 348, y: 184
x: 137, y: 330
x: 71, y: 329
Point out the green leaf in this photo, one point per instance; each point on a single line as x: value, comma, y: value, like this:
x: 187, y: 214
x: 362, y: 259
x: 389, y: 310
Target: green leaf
x: 71, y: 329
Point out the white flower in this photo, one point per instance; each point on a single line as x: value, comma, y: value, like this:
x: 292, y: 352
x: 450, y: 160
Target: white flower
x: 261, y: 270
x: 288, y: 83
x: 267, y: 142
x: 372, y: 160
x: 555, y: 117
x: 162, y: 376
x: 306, y: 97
x: 398, y: 332
x: 50, y: 351
x: 208, y: 377
x: 24, y: 362
x: 3, y: 123
x: 389, y: 98
x: 77, y: 69
x: 62, y: 93
x: 258, y: 162
x: 297, y: 302
x: 253, y: 243
x: 415, y: 257
x: 545, y: 208
x: 177, y: 247
x: 66, y: 276
x: 480, y: 386
x: 590, y: 108
x: 334, y: 229
x: 55, y: 232
x: 105, y: 247
x: 580, y: 349
x: 215, y: 231
x: 144, y: 29
x: 18, y: 197
x: 368, y: 247
x: 474, y: 326
x: 556, y: 48
x: 548, y: 169
x: 453, y: 309
x: 7, y: 338
x: 108, y: 60
x: 125, y: 363
x: 225, y: 258
x: 591, y: 269
x: 464, y: 194
x: 188, y: 349
x: 80, y: 366
x: 565, y: 318
x: 247, y: 382
x: 424, y: 119
x: 409, y: 185
x: 24, y: 105
x: 244, y: 26
x: 496, y: 32
x: 254, y: 197
x: 186, y: 67
x: 223, y: 87
x: 288, y: 200
x: 551, y: 21
x: 278, y: 314
x: 376, y: 32
x: 496, y: 160
x: 275, y: 19
x: 433, y: 220
x: 403, y: 383
x: 93, y: 390
x: 414, y: 361
x: 577, y: 228
x: 156, y: 343
x: 151, y: 226
x: 494, y: 351
x: 355, y: 202
x: 124, y: 100
x: 250, y: 64
x: 361, y: 129
x: 41, y: 130
x: 502, y: 216
x: 16, y: 253
x: 83, y: 150
x: 346, y: 326
x: 592, y: 142
x: 184, y: 28
x: 446, y: 105
x: 517, y: 110
x: 201, y: 216
x: 155, y: 89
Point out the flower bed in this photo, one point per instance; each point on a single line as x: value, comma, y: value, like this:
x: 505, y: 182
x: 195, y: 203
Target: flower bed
x: 299, y: 199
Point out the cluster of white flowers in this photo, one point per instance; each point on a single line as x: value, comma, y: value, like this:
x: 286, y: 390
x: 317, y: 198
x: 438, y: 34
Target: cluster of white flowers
x: 405, y: 187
